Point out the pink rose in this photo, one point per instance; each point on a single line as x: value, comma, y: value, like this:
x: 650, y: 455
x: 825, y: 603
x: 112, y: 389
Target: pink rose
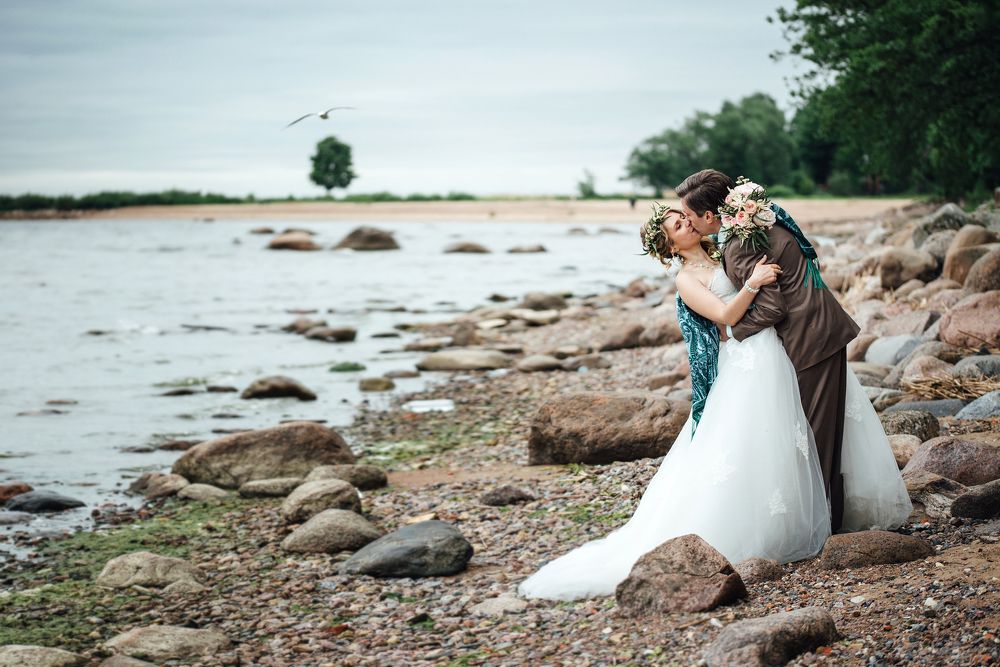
x: 765, y: 217
x: 741, y: 217
x: 750, y: 206
x: 729, y: 198
x: 727, y: 220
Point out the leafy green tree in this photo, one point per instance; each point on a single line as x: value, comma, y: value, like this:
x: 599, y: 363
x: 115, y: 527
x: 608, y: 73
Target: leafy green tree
x: 586, y: 186
x: 910, y: 85
x: 750, y: 138
x: 664, y: 160
x: 331, y: 165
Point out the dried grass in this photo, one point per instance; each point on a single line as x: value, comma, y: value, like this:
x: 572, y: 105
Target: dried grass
x: 949, y: 387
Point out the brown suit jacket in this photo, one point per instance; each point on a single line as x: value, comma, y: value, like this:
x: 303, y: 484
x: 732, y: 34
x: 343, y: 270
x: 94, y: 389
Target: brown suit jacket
x: 811, y: 323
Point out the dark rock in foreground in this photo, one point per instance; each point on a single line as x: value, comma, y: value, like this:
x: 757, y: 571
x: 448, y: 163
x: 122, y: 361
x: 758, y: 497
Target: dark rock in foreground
x: 289, y: 450
x: 682, y: 574
x: 772, y: 640
x: 872, y: 547
x: 979, y: 502
x: 590, y: 427
x: 363, y: 477
x: 42, y: 501
x: 426, y: 549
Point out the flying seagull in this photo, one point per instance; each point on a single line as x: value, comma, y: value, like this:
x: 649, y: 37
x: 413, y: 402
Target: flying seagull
x: 324, y: 115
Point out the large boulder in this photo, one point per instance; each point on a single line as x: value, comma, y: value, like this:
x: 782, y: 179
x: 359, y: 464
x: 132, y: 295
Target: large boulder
x: 967, y: 459
x: 143, y: 568
x: 974, y: 321
x: 937, y: 244
x: 289, y: 450
x: 949, y: 216
x: 591, y: 427
x: 772, y: 640
x: 755, y: 570
x: 23, y: 655
x: 168, y: 642
x: 426, y: 549
x: 903, y: 448
x: 464, y: 360
x: 939, y: 407
x: 984, y: 276
x: 979, y: 367
x: 872, y: 547
x: 899, y: 265
x: 11, y: 489
x: 278, y: 386
x: 921, y: 424
x: 682, y: 574
x: 363, y: 477
x: 890, y: 350
x: 293, y: 241
x: 979, y: 502
x: 621, y: 338
x: 311, y: 498
x: 368, y: 238
x: 663, y: 332
x: 984, y: 407
x: 331, y: 531
x: 960, y: 261
x: 42, y: 501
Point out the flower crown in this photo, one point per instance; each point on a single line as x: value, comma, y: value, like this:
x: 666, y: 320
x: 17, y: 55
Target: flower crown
x: 652, y: 231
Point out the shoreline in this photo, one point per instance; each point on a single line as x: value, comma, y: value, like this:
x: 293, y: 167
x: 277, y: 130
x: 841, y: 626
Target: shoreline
x: 808, y: 211
x: 296, y: 609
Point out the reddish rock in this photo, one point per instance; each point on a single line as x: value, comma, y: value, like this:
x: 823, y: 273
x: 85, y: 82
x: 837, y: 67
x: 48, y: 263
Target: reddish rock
x: 974, y: 321
x: 292, y: 241
x: 872, y: 547
x: 624, y: 337
x: 960, y: 458
x: 11, y: 489
x: 591, y: 427
x: 984, y: 276
x: 682, y: 574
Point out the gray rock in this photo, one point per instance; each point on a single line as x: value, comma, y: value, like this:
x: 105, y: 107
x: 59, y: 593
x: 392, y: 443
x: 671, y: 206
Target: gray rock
x: 363, y: 477
x: 143, y: 568
x: 23, y: 655
x: 464, y: 360
x: 943, y: 407
x: 278, y: 487
x: 591, y: 427
x: 900, y: 265
x: 328, y: 334
x: 331, y: 531
x: 278, y: 386
x: 289, y: 450
x: 979, y: 367
x: 682, y: 574
x: 542, y: 301
x: 932, y: 493
x: 202, y: 492
x: 168, y: 642
x: 922, y: 424
x: 937, y: 244
x: 984, y: 407
x: 872, y: 547
x: 42, y: 501
x: 426, y: 549
x: 368, y: 239
x: 12, y: 518
x: 498, y: 606
x: 539, y: 362
x: 949, y: 216
x: 756, y: 570
x: 311, y: 498
x: 506, y: 495
x: 984, y: 275
x: 772, y: 640
x: 588, y: 361
x: 158, y: 485
x: 979, y: 502
x: 125, y: 661
x: 891, y: 349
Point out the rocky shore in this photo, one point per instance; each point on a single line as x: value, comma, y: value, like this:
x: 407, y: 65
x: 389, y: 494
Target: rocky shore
x: 401, y: 540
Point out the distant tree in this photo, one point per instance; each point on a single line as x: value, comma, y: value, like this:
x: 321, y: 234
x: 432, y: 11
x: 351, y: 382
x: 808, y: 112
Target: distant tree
x: 331, y: 165
x: 909, y: 84
x: 664, y: 160
x: 750, y: 138
x: 586, y: 186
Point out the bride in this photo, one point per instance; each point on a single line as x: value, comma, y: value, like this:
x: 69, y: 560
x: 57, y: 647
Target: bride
x: 745, y: 477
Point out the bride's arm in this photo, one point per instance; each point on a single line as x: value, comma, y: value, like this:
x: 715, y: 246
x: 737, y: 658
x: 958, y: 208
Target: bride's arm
x: 704, y: 302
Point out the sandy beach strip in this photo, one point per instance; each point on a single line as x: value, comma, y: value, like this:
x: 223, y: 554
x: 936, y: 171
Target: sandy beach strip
x: 524, y: 210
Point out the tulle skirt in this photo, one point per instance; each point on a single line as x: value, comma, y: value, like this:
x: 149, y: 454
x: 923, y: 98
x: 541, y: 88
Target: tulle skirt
x: 747, y: 481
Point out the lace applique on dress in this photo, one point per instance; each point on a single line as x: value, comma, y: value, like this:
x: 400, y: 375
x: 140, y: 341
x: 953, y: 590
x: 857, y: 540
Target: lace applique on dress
x: 721, y: 468
x: 852, y: 409
x: 777, y: 503
x: 801, y: 440
x: 744, y: 356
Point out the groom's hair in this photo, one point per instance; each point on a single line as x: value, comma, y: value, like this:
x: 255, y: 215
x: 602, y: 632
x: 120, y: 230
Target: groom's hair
x: 705, y: 190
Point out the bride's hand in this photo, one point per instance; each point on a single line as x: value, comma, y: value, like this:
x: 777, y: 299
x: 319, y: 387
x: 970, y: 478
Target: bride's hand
x: 763, y: 274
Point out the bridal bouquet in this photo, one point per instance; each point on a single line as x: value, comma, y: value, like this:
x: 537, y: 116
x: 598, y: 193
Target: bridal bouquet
x: 747, y: 213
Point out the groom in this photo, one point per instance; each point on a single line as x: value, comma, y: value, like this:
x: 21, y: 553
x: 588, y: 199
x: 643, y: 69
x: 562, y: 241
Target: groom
x: 813, y: 327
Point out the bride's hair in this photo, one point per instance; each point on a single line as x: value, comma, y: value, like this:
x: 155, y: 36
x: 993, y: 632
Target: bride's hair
x: 705, y: 190
x: 656, y: 242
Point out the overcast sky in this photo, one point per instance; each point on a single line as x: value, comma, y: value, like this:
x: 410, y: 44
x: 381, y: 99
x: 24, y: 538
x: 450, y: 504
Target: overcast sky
x: 485, y: 97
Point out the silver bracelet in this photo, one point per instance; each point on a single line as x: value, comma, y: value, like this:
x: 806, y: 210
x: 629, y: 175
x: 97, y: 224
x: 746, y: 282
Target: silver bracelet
x: 747, y: 287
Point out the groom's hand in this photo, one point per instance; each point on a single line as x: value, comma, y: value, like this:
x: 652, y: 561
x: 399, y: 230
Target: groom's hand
x: 722, y: 332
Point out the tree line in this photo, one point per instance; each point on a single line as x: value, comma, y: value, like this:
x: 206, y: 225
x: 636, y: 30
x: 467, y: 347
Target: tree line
x: 899, y: 96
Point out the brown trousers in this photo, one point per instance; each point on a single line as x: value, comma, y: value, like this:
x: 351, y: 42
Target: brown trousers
x: 823, y: 388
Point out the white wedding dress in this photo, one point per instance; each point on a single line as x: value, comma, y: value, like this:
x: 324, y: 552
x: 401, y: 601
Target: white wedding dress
x: 749, y: 481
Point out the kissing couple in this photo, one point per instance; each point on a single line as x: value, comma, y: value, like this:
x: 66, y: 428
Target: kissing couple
x: 782, y: 447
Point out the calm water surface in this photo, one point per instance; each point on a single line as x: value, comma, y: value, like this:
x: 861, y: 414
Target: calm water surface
x: 141, y: 281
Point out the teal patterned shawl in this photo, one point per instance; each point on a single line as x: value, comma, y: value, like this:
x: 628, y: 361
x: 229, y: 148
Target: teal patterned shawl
x: 702, y: 336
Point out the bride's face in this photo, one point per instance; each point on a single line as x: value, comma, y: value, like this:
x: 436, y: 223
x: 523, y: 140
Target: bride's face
x: 681, y: 233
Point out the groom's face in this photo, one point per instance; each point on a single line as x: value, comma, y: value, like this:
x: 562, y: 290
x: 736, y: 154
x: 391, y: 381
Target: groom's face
x: 705, y: 224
